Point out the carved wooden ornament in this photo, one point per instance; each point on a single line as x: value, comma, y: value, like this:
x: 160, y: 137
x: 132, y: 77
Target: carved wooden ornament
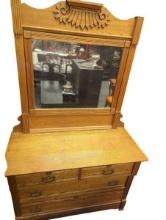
x: 81, y: 18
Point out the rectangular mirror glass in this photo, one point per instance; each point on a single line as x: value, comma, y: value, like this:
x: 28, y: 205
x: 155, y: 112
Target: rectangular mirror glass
x: 70, y: 75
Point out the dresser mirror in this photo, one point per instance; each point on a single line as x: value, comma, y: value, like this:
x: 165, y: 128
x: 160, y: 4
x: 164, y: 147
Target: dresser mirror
x: 74, y: 60
x: 73, y: 75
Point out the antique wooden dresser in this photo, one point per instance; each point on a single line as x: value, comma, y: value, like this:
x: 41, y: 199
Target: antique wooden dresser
x: 70, y: 153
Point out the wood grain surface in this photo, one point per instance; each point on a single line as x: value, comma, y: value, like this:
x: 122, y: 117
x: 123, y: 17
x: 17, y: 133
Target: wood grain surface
x: 30, y: 153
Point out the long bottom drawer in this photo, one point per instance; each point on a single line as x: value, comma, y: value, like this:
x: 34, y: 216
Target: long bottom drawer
x: 77, y: 201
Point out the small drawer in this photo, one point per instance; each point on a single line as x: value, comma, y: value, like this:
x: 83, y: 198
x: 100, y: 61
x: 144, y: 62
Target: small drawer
x: 107, y: 170
x: 76, y: 201
x: 46, y: 178
x: 63, y: 189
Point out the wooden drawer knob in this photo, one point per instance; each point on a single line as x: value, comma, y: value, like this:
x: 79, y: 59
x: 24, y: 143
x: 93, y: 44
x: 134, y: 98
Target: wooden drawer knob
x: 113, y: 183
x: 49, y: 178
x: 35, y: 209
x: 36, y: 194
x: 108, y: 172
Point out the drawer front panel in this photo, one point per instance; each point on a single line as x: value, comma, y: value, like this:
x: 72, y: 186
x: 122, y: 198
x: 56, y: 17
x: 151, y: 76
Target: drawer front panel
x: 46, y: 178
x: 76, y: 201
x: 60, y: 190
x: 107, y: 170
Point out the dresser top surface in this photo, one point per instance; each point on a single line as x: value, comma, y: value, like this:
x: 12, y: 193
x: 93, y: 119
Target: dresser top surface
x: 31, y: 153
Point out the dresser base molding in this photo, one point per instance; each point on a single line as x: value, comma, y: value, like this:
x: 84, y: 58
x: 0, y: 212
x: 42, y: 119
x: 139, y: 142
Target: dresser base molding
x: 47, y: 216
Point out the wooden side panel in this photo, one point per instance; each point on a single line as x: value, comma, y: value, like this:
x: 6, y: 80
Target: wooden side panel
x: 129, y: 61
x: 16, y: 12
x: 30, y: 74
x: 22, y: 81
x: 19, y: 42
x: 120, y: 77
x: 137, y: 30
x: 128, y: 184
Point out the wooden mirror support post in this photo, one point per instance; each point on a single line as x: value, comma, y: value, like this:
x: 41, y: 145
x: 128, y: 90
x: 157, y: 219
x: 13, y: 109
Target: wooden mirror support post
x: 71, y: 153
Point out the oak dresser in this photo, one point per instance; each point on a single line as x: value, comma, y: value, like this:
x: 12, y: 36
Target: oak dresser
x: 70, y: 153
x: 59, y: 174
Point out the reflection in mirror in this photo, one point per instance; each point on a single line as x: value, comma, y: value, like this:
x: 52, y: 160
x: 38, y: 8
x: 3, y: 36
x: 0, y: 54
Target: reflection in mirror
x: 74, y: 75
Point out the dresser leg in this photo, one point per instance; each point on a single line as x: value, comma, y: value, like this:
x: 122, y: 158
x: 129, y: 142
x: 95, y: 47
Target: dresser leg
x: 128, y: 184
x: 122, y: 205
x: 14, y: 192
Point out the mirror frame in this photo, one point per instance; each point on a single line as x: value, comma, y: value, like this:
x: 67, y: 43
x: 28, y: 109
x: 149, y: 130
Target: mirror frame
x: 44, y: 24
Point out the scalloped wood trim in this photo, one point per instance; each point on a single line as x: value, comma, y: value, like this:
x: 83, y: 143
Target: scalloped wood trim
x: 81, y: 18
x: 45, y: 20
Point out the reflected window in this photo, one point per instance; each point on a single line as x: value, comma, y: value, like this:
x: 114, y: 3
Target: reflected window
x: 74, y: 75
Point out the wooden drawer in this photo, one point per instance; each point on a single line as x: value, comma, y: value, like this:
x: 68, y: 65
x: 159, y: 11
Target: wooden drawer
x: 61, y: 190
x: 73, y: 202
x: 46, y: 178
x: 107, y: 170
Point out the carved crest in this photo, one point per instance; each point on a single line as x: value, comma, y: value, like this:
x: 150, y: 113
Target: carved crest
x: 81, y: 18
